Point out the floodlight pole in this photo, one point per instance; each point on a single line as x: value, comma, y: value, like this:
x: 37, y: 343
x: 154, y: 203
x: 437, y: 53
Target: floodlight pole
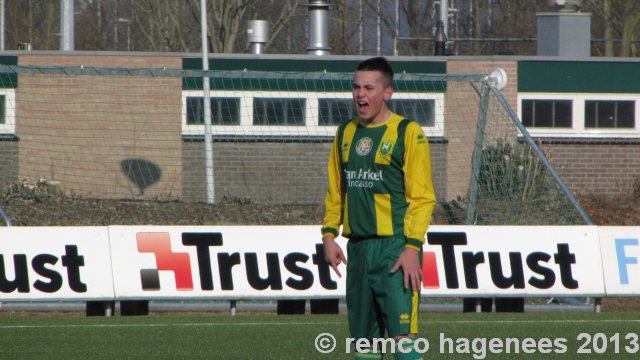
x: 2, y: 25
x: 208, y: 141
x: 66, y: 25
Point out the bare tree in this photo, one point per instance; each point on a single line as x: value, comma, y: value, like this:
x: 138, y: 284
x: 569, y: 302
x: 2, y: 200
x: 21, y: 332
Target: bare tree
x: 630, y: 27
x: 418, y: 14
x: 291, y: 37
x: 165, y: 25
x: 34, y: 22
x: 480, y: 26
x: 93, y: 24
x: 619, y: 22
x: 175, y: 25
x: 608, y: 28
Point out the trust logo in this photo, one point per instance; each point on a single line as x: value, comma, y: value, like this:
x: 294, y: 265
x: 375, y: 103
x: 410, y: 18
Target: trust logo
x: 179, y: 263
x: 430, y: 278
x: 538, y: 269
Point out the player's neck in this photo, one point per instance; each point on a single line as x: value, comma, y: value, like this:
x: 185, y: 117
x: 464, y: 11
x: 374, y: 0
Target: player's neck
x: 380, y: 119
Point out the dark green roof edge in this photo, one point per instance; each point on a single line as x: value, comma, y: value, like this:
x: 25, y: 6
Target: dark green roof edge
x: 579, y: 76
x: 8, y: 80
x: 8, y: 60
x: 302, y: 66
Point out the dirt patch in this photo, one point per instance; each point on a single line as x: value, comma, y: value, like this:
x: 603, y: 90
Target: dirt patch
x: 621, y: 210
x: 41, y: 205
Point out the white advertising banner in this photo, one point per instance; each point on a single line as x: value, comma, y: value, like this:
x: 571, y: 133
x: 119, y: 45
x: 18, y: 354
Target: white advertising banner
x: 620, y: 250
x: 222, y: 262
x: 245, y: 262
x: 512, y: 261
x: 55, y: 263
x: 278, y: 262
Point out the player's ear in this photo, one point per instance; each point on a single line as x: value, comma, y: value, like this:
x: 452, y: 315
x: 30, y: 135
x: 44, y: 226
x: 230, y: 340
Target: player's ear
x: 388, y: 92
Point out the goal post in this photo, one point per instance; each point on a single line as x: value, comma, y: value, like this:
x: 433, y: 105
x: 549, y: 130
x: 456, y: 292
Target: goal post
x: 108, y: 135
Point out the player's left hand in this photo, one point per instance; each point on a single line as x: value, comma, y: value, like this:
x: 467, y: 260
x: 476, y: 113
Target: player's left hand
x: 409, y: 261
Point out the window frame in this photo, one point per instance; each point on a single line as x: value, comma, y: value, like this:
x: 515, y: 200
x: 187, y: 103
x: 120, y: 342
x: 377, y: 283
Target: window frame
x: 216, y: 98
x: 578, y: 110
x: 285, y: 112
x: 553, y: 103
x: 312, y: 116
x: 617, y: 101
x: 9, y: 125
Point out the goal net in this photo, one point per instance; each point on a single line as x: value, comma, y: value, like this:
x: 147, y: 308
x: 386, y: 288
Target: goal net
x: 83, y: 145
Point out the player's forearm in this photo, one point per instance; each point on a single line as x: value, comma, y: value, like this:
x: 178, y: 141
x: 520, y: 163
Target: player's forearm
x: 418, y: 218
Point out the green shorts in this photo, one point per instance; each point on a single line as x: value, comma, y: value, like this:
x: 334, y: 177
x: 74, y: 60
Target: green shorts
x: 377, y: 300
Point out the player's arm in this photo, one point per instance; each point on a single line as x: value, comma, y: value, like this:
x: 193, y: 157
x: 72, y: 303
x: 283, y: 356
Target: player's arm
x: 420, y: 195
x: 419, y: 191
x: 334, y: 203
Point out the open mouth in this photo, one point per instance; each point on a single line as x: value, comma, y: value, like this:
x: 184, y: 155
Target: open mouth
x: 362, y: 105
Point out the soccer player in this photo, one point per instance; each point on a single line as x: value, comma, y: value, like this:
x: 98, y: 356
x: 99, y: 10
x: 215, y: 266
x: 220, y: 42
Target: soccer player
x: 380, y: 191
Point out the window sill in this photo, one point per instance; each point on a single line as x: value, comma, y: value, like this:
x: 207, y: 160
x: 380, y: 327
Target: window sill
x: 583, y: 140
x: 9, y: 137
x: 282, y: 139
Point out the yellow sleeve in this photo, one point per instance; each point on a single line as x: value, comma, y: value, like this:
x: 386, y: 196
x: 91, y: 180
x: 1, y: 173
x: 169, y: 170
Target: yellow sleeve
x: 334, y: 199
x: 419, y: 191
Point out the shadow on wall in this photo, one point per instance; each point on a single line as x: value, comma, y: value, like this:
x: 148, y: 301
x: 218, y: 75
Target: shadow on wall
x: 142, y: 173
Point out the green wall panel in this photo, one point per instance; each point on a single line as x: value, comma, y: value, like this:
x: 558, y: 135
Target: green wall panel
x: 302, y: 65
x: 579, y: 76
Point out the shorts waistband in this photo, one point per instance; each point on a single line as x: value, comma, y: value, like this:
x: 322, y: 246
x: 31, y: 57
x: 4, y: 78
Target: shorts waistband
x: 357, y: 239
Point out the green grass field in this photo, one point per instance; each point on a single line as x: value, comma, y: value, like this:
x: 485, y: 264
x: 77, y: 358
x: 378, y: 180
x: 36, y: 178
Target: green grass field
x: 269, y: 336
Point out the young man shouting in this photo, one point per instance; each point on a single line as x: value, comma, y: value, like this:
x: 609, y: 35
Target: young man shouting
x: 380, y: 191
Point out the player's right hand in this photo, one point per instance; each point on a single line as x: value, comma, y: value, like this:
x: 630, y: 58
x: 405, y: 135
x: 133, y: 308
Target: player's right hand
x: 333, y: 253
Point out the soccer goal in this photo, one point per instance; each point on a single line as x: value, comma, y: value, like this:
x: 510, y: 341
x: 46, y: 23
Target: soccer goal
x: 161, y: 143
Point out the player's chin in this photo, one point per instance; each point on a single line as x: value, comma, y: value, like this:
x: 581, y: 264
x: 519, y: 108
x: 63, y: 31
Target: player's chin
x: 364, y: 115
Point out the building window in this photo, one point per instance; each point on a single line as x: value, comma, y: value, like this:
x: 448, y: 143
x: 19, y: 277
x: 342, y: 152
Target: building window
x: 279, y: 111
x: 332, y: 112
x: 609, y: 114
x: 421, y: 111
x: 580, y: 115
x: 224, y: 111
x: 7, y: 111
x: 547, y: 113
x: 267, y: 113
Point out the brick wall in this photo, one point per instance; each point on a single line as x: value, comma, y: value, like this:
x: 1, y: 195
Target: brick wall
x: 439, y: 168
x: 80, y: 130
x: 8, y: 162
x: 292, y: 172
x: 604, y: 169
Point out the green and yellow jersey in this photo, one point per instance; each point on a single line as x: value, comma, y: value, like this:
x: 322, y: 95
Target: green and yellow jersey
x: 380, y: 181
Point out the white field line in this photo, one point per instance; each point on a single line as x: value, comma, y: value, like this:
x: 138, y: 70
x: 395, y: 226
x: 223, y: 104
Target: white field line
x: 485, y: 322
x: 167, y: 325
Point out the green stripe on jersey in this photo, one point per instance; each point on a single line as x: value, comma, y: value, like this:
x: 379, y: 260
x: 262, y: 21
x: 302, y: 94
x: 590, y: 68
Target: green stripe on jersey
x: 372, y: 165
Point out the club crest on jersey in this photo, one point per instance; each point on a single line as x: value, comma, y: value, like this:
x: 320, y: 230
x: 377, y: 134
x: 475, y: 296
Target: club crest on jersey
x: 364, y: 145
x: 386, y: 147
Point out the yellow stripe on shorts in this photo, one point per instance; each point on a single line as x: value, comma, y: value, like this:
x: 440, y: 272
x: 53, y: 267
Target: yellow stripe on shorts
x: 415, y: 304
